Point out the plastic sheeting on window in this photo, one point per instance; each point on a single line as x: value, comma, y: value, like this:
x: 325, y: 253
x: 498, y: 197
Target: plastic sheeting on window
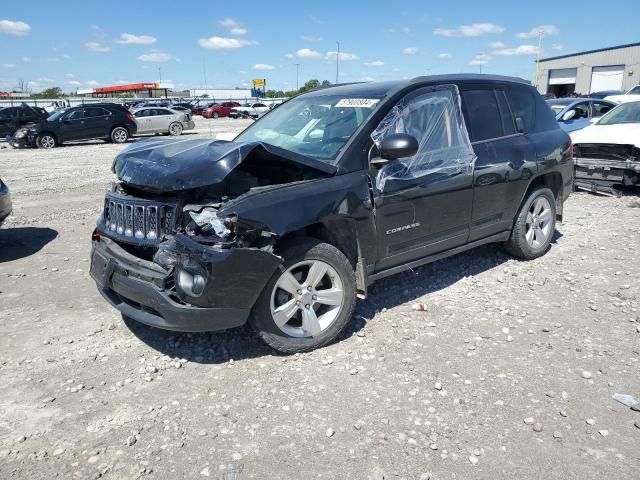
x: 434, y: 118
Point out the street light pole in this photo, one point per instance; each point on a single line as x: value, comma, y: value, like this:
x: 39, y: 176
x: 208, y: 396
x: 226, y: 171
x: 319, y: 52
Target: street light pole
x: 535, y: 82
x: 337, y: 61
x: 297, y: 70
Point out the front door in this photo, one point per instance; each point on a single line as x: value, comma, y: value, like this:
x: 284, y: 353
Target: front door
x: 72, y: 125
x: 423, y: 203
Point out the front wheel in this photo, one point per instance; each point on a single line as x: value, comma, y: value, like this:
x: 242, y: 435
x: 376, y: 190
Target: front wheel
x: 46, y: 140
x: 119, y: 135
x: 175, y: 129
x: 308, y: 301
x: 215, y: 115
x: 534, y: 226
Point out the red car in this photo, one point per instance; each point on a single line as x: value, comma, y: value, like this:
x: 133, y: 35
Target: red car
x: 219, y: 110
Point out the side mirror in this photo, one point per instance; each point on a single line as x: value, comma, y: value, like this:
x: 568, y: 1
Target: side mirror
x: 398, y: 145
x: 569, y: 115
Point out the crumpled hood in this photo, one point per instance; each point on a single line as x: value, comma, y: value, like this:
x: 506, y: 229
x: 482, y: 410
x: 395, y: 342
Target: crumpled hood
x: 621, y: 133
x: 172, y: 165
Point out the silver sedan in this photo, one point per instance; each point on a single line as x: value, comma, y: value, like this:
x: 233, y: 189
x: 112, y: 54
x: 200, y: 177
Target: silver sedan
x: 163, y: 120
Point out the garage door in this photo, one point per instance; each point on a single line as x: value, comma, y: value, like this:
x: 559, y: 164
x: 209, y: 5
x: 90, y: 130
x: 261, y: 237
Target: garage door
x: 562, y: 76
x: 607, y: 78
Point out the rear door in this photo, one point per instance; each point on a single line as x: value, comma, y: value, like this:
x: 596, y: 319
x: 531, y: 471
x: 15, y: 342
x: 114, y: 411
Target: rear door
x: 162, y: 119
x: 505, y: 159
x: 96, y: 122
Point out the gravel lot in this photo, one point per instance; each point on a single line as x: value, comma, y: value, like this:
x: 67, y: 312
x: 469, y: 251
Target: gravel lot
x: 508, y: 374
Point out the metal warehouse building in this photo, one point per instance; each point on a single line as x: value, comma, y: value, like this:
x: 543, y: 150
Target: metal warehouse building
x: 614, y: 68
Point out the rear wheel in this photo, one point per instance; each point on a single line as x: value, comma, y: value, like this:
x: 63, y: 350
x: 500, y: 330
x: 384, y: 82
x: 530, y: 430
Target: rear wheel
x: 309, y: 301
x: 534, y: 226
x: 46, y: 140
x: 175, y: 129
x: 119, y: 135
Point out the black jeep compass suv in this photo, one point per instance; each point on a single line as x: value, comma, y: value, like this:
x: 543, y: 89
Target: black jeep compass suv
x: 285, y: 226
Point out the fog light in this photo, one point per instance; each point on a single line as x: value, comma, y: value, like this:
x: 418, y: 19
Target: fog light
x: 191, y: 282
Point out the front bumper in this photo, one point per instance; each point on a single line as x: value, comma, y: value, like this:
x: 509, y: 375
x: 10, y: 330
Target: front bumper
x: 5, y: 202
x: 145, y: 292
x: 189, y: 125
x: 592, y: 173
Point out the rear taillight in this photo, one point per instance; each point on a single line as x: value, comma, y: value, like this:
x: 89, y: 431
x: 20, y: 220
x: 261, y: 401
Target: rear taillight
x: 130, y: 117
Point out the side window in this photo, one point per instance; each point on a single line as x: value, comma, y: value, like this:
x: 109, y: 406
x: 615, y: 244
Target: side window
x: 582, y: 110
x: 142, y: 113
x: 523, y: 106
x: 598, y: 109
x: 165, y: 112
x: 95, y: 112
x: 483, y: 116
x: 259, y: 105
x: 74, y: 115
x: 433, y: 117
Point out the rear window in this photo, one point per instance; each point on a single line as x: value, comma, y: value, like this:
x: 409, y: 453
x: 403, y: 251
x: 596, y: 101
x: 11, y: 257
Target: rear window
x: 484, y: 120
x: 523, y: 105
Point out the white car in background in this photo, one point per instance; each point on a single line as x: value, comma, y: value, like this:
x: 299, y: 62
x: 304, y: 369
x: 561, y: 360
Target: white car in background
x: 607, y: 153
x: 632, y: 95
x: 163, y: 120
x: 253, y: 110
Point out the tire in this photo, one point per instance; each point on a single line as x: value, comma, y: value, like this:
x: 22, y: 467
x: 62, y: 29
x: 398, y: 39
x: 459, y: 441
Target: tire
x: 215, y: 115
x: 46, y: 140
x: 299, y: 332
x: 119, y: 135
x: 534, y: 226
x: 175, y: 129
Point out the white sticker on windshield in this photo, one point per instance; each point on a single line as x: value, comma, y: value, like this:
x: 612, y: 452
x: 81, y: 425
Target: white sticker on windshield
x: 357, y: 102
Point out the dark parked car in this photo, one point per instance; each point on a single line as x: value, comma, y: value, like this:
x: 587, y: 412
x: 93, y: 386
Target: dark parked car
x: 12, y: 118
x: 108, y: 121
x: 330, y: 192
x: 198, y: 108
x: 575, y: 113
x: 5, y: 201
x: 219, y: 110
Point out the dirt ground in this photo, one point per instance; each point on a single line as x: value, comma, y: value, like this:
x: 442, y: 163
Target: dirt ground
x: 508, y: 374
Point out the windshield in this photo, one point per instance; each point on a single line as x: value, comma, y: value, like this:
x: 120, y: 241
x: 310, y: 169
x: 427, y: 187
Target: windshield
x: 56, y: 115
x: 315, y: 126
x: 625, y: 113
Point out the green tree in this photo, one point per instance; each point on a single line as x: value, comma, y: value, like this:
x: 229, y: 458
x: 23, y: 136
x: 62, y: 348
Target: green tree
x: 52, y: 92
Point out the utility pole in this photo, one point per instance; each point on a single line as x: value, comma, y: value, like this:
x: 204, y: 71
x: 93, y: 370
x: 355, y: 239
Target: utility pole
x: 337, y: 62
x: 160, y: 73
x: 297, y: 70
x: 204, y: 72
x: 535, y: 82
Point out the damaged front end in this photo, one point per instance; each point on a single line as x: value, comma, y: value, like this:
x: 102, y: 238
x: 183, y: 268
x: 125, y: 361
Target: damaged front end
x: 599, y: 167
x: 170, y: 251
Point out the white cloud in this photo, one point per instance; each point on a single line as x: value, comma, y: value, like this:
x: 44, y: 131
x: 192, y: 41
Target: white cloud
x: 26, y: 59
x: 96, y: 47
x: 367, y: 79
x: 8, y: 65
x: 53, y: 59
x: 343, y: 56
x: 311, y: 38
x: 45, y: 80
x: 122, y: 82
x: 14, y: 28
x: 481, y: 59
x: 222, y: 43
x: 70, y: 75
x: 497, y: 45
x: 158, y: 57
x: 130, y: 38
x: 66, y: 55
x: 520, y: 50
x: 288, y: 55
x: 473, y: 30
x: 243, y: 72
x: 535, y: 31
x: 263, y: 66
x: 308, y: 53
x: 234, y: 26
x: 92, y: 83
x: 557, y: 47
x: 75, y: 83
x: 410, y: 50
x: 375, y: 63
x: 445, y: 56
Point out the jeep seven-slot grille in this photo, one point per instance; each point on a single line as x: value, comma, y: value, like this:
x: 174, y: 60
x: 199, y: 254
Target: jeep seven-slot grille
x: 135, y: 220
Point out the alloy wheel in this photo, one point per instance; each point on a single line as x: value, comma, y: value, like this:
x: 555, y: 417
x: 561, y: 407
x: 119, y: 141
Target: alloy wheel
x: 119, y: 135
x: 307, y: 299
x: 538, y: 223
x: 47, y: 141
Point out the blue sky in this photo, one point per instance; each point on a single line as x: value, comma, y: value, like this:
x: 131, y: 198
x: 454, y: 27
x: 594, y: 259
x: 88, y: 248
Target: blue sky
x: 85, y: 44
